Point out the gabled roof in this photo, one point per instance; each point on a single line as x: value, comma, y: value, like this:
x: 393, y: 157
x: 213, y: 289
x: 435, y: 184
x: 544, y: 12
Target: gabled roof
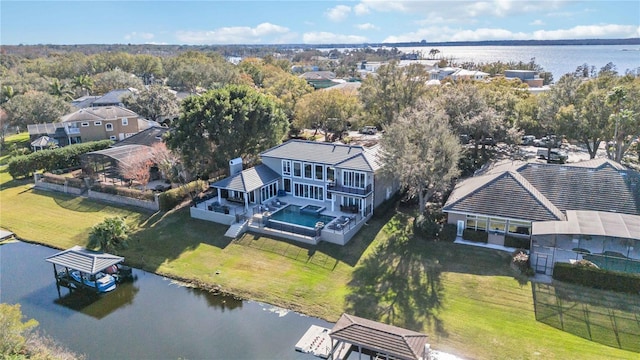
x: 84, y: 101
x: 318, y: 75
x: 388, y: 339
x: 594, y: 185
x: 247, y: 180
x: 339, y: 155
x: 98, y: 113
x: 87, y: 261
x: 113, y: 97
x: 146, y: 137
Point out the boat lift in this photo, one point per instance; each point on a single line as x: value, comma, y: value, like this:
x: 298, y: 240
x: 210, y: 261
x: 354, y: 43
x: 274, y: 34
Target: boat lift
x: 88, y: 263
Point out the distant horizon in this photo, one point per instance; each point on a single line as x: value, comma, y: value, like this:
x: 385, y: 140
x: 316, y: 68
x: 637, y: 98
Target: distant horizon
x: 506, y: 42
x: 277, y: 22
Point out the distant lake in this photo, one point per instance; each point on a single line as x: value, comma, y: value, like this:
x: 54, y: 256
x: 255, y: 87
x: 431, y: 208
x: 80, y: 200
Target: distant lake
x: 150, y: 318
x: 559, y: 59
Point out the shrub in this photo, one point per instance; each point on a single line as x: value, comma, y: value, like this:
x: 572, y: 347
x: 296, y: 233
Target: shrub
x: 60, y: 158
x: 516, y: 242
x: 448, y: 233
x: 477, y: 236
x: 597, y: 278
x: 172, y: 198
x: 146, y: 195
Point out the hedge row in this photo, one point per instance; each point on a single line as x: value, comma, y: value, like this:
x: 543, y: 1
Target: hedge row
x: 597, y: 278
x: 477, y: 236
x: 61, y: 180
x: 47, y: 160
x: 516, y: 242
x: 448, y: 232
x: 147, y: 195
x: 174, y: 197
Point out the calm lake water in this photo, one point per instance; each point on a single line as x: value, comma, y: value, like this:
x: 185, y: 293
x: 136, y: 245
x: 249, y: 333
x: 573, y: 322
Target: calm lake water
x: 559, y: 60
x: 151, y: 318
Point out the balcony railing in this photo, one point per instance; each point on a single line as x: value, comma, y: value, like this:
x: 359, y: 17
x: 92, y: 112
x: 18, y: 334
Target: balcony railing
x: 349, y: 190
x: 73, y: 130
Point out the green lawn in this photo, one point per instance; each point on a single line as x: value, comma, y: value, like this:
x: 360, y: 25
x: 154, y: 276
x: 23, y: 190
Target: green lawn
x: 467, y: 299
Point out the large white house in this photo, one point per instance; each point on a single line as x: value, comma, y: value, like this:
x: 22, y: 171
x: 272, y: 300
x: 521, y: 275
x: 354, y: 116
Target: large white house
x: 303, y: 190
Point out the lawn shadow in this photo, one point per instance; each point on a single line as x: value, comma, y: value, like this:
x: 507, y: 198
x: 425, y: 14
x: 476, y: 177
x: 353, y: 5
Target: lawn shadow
x: 398, y: 284
x: 164, y: 237
x: 605, y: 317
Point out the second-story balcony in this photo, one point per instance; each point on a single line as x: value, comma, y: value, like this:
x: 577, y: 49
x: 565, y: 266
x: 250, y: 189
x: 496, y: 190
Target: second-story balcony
x: 349, y: 190
x: 73, y: 130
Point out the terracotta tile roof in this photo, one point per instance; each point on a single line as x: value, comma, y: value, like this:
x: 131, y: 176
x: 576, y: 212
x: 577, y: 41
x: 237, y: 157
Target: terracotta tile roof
x: 394, y: 341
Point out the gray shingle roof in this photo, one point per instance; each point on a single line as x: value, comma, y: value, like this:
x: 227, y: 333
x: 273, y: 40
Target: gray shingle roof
x: 99, y: 113
x: 87, y: 261
x: 506, y: 195
x: 324, y: 153
x: 534, y: 191
x: 392, y: 340
x: 146, y: 137
x: 248, y: 180
x: 113, y: 97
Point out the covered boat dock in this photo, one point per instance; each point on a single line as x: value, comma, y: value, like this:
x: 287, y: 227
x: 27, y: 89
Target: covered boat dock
x: 87, y: 262
x: 377, y: 340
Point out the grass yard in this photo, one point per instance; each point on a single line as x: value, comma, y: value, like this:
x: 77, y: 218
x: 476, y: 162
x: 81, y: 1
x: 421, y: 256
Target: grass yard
x: 467, y: 299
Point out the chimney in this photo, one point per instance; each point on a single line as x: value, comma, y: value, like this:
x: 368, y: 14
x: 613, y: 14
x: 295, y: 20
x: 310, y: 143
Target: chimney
x: 235, y: 166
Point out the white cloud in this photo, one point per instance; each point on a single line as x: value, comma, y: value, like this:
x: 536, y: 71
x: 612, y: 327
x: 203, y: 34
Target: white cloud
x: 537, y: 22
x: 444, y: 33
x: 589, y: 32
x: 138, y: 35
x: 235, y: 35
x: 361, y: 9
x: 338, y: 13
x: 366, y: 26
x: 331, y: 38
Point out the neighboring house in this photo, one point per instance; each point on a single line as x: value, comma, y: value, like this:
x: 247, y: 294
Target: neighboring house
x: 527, y: 200
x: 104, y: 122
x: 91, y: 124
x: 456, y: 74
x: 112, y: 98
x: 528, y: 77
x: 338, y: 184
x: 320, y: 79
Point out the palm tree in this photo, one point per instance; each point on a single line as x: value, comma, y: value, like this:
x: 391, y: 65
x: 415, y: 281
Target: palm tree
x: 110, y: 235
x: 57, y: 88
x: 84, y: 83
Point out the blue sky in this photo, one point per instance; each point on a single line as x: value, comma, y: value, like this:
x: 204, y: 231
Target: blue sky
x: 311, y: 22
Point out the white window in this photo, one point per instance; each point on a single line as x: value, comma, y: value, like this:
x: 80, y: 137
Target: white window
x: 125, y: 121
x: 307, y: 191
x: 108, y: 126
x: 269, y: 191
x: 353, y: 179
x: 286, y: 167
x: 297, y: 169
x: 97, y: 123
x: 112, y: 137
x: 308, y: 171
x: 319, y: 172
x: 84, y: 124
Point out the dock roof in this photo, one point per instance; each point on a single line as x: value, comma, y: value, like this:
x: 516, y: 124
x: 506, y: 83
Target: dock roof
x: 87, y: 261
x: 394, y: 341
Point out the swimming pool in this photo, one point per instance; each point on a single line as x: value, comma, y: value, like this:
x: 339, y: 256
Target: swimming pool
x: 614, y: 263
x: 292, y: 215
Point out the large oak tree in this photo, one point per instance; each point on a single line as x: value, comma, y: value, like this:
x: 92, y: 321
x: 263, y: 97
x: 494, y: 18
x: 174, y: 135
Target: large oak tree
x: 222, y: 124
x: 421, y: 151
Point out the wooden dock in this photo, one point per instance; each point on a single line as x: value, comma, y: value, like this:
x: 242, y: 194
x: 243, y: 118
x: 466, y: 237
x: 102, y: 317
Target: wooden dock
x: 315, y: 341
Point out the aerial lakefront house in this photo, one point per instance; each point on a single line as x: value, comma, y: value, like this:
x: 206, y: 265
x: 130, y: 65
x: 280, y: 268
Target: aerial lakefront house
x: 303, y: 190
x: 586, y: 210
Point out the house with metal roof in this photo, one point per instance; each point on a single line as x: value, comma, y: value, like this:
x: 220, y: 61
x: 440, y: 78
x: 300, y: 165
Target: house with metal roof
x: 340, y: 182
x: 565, y: 211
